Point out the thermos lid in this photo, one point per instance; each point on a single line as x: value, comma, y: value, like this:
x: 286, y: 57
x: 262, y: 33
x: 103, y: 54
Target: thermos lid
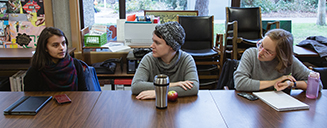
x: 161, y: 80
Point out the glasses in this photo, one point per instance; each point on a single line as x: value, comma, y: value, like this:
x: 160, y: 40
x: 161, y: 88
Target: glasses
x: 260, y: 48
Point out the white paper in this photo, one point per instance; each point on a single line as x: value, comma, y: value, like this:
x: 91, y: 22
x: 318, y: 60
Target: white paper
x: 281, y: 101
x: 100, y: 28
x: 120, y: 29
x: 119, y: 48
x: 116, y: 46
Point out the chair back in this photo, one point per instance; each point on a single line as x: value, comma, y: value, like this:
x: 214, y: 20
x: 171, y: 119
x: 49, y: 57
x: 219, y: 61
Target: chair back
x: 323, y: 75
x: 91, y: 78
x: 248, y: 20
x: 198, y: 30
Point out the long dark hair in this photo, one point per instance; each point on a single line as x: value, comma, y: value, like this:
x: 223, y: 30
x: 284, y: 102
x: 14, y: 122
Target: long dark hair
x: 41, y: 57
x: 284, y: 47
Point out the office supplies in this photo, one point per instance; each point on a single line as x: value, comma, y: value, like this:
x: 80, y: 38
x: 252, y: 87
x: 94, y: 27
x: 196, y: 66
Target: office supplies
x: 247, y: 96
x: 140, y: 52
x: 138, y: 34
x: 132, y: 63
x: 27, y: 105
x: 281, y: 101
x: 108, y: 66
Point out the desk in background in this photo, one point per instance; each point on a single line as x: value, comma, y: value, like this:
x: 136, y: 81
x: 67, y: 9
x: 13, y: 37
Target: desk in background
x: 304, y: 52
x: 22, y: 53
x: 91, y: 57
x: 310, y: 56
x: 15, y: 59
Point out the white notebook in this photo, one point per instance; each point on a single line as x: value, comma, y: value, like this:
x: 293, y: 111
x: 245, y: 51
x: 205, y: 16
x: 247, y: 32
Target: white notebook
x: 281, y: 101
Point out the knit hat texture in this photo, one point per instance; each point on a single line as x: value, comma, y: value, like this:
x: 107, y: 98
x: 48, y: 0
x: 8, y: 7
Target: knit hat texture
x: 173, y: 33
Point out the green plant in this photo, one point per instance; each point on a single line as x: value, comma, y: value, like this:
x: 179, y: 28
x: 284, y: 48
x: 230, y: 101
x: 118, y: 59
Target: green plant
x: 138, y: 5
x: 268, y: 6
x: 301, y: 31
x: 176, y: 4
x: 219, y: 28
x: 97, y: 9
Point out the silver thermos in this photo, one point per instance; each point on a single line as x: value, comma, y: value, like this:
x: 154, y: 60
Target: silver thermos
x: 161, y: 86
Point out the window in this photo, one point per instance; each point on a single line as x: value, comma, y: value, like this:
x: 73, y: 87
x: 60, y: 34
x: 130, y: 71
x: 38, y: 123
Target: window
x: 107, y: 11
x: 301, y: 13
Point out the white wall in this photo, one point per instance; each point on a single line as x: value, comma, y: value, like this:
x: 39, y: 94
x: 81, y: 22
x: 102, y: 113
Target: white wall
x: 61, y: 17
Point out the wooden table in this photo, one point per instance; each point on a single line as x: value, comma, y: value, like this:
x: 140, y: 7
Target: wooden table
x: 304, y: 52
x: 115, y: 109
x: 240, y: 112
x: 52, y: 114
x: 120, y: 109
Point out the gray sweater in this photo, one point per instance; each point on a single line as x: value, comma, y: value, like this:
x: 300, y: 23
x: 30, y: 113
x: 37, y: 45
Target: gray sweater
x: 182, y: 67
x: 250, y: 71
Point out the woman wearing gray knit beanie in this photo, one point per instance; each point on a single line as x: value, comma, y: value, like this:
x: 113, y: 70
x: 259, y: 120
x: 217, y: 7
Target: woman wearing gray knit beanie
x: 166, y: 58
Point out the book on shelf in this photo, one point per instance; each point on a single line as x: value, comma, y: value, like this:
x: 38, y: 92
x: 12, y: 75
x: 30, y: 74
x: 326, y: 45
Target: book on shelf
x: 17, y: 81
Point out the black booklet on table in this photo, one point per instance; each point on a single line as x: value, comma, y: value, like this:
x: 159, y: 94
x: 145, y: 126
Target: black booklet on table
x: 27, y: 105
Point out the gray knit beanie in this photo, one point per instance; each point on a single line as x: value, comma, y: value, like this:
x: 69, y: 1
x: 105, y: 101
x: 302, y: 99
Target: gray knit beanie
x: 173, y: 33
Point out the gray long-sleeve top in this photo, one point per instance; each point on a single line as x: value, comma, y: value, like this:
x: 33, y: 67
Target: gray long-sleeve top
x: 250, y: 71
x: 181, y: 68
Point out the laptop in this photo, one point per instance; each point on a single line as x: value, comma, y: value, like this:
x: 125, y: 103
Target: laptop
x: 27, y: 105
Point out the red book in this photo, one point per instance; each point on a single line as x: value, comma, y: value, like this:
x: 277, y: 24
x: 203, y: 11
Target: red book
x: 62, y: 98
x: 123, y: 81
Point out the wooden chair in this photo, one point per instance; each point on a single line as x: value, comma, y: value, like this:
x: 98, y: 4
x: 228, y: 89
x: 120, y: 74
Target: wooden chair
x: 243, y: 29
x: 199, y: 42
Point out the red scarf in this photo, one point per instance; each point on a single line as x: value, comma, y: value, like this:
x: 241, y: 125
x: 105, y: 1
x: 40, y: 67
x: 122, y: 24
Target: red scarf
x: 61, y: 76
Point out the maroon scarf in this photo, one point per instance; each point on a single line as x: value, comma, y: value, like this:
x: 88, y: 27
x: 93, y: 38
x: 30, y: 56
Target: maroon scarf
x: 61, y: 76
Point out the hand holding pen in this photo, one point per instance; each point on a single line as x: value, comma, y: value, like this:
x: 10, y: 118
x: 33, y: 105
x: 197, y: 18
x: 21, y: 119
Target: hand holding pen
x: 284, y: 82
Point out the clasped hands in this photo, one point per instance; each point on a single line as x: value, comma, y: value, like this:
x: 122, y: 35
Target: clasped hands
x: 151, y: 94
x: 284, y: 82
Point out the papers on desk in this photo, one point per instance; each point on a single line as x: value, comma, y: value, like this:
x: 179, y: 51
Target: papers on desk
x: 116, y: 46
x: 281, y: 101
x: 98, y: 29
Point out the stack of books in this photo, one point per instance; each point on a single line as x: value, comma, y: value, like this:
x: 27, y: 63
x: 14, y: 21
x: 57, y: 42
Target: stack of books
x: 17, y: 81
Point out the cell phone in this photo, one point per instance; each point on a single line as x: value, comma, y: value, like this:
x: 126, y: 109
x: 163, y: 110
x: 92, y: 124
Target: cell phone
x: 62, y: 98
x: 247, y: 96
